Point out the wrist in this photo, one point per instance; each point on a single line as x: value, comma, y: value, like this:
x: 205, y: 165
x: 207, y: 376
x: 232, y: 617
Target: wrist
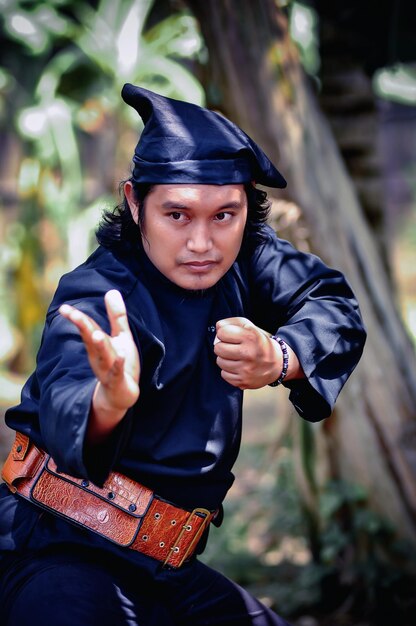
x: 284, y: 351
x: 103, y: 418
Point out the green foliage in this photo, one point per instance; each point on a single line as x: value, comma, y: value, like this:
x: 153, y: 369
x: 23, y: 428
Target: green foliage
x: 357, y: 564
x: 61, y: 73
x: 303, y: 25
x: 34, y: 24
x: 361, y: 557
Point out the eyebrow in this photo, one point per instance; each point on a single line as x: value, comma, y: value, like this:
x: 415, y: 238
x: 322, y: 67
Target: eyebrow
x: 172, y: 204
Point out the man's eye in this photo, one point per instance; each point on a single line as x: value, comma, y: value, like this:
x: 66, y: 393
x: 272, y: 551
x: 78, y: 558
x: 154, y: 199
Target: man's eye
x: 175, y: 215
x: 223, y: 217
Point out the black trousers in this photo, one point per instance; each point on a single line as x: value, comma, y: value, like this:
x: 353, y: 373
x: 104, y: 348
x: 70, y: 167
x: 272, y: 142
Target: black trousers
x: 65, y: 586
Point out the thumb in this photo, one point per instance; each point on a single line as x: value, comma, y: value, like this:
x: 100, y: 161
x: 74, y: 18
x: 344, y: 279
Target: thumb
x: 232, y: 329
x: 242, y: 322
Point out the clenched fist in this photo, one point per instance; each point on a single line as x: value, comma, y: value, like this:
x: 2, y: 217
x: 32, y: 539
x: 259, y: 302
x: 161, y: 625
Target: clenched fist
x: 247, y: 355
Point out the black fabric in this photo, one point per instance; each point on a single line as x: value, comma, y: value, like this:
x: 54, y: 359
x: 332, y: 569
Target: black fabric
x: 185, y: 143
x: 67, y: 587
x: 183, y: 435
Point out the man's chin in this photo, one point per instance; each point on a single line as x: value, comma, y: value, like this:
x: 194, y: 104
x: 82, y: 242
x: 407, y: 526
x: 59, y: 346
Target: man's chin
x: 197, y: 283
x: 199, y: 287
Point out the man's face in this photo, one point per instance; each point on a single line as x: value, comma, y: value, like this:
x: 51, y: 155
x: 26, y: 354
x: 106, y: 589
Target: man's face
x: 193, y: 233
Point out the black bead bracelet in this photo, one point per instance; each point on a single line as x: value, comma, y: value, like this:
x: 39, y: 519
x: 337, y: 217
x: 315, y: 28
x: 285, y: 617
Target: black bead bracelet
x: 285, y: 366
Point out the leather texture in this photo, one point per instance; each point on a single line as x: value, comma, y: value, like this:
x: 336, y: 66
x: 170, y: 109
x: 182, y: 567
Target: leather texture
x: 22, y: 465
x: 123, y: 510
x: 85, y: 508
x: 170, y: 534
x: 121, y: 491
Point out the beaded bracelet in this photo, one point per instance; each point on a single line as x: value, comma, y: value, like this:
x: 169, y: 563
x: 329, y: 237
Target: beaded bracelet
x: 285, y: 366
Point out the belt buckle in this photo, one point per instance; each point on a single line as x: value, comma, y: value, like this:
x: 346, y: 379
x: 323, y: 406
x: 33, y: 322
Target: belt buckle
x: 200, y: 512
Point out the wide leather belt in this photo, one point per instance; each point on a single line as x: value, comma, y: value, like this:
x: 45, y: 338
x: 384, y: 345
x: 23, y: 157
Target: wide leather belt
x: 123, y: 510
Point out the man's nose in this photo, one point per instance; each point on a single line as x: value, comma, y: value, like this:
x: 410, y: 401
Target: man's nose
x: 200, y: 239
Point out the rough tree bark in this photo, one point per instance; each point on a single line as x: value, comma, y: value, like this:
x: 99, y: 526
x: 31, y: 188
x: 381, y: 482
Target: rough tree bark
x: 349, y: 103
x: 261, y: 86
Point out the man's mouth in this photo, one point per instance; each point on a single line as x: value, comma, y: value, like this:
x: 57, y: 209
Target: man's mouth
x: 200, y: 266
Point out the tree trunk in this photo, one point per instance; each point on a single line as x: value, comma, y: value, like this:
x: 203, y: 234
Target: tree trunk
x: 349, y: 105
x: 260, y: 85
x: 349, y: 56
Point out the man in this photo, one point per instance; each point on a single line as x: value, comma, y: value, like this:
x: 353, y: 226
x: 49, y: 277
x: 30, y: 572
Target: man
x: 131, y: 423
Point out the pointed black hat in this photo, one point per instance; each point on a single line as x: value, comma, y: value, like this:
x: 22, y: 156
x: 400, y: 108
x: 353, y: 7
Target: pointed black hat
x: 185, y: 143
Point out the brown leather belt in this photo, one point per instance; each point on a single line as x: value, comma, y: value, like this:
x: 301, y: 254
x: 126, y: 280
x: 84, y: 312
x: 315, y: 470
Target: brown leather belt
x: 123, y: 511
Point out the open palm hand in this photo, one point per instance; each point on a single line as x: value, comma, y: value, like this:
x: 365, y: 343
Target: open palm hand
x: 114, y: 358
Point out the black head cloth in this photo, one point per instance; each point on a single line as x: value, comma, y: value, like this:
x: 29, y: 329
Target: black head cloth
x: 185, y: 143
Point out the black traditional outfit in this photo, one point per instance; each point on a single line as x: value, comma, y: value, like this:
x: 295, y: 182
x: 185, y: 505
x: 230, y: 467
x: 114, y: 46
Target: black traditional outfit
x: 182, y: 436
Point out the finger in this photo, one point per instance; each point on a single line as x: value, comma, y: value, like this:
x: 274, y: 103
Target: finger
x: 232, y: 329
x: 85, y: 324
x: 232, y: 367
x: 117, y: 314
x: 243, y: 322
x: 230, y: 333
x: 228, y: 350
x: 96, y: 342
x: 101, y: 352
x: 99, y: 358
x: 232, y: 379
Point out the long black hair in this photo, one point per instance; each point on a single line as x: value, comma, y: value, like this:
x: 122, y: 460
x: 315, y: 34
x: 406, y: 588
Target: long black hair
x: 117, y: 227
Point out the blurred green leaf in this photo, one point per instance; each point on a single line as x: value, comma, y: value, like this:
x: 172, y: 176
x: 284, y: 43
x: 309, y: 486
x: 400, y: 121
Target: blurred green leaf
x: 372, y: 524
x: 330, y: 502
x: 34, y: 29
x: 168, y: 78
x: 177, y: 35
x: 112, y: 35
x: 29, y: 177
x: 338, y: 493
x: 334, y: 540
x: 50, y: 79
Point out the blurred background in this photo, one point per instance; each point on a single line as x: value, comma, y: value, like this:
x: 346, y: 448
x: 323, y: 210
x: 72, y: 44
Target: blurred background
x: 321, y: 522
